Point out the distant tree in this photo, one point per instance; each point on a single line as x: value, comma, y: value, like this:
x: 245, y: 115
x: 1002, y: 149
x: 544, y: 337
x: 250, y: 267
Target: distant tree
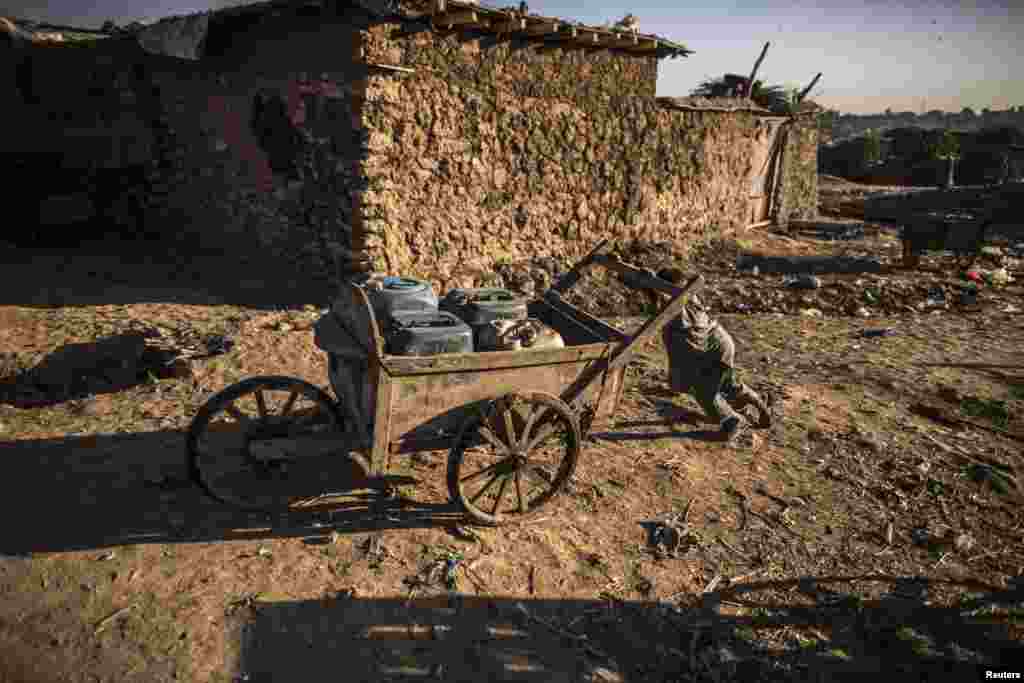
x: 109, y: 26
x: 872, y: 146
x: 827, y: 123
x: 1000, y: 135
x: 947, y: 148
x: 967, y: 113
x: 888, y: 111
x: 774, y: 97
x: 986, y: 112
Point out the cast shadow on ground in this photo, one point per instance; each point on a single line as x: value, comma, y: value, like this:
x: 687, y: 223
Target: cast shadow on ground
x: 107, y: 365
x: 670, y: 414
x: 117, y: 272
x: 92, y: 492
x: 104, y: 490
x: 451, y: 636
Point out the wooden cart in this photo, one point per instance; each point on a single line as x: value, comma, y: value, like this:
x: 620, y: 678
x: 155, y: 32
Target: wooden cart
x: 512, y: 422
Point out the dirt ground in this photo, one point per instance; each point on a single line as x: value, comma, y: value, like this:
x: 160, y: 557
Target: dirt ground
x: 875, y: 527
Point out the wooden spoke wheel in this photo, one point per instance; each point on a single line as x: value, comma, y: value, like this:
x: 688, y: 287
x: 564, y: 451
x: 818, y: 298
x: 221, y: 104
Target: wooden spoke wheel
x: 268, y: 443
x: 513, y: 457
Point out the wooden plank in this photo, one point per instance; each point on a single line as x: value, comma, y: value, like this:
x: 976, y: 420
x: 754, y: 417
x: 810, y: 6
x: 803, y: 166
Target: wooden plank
x: 559, y: 318
x: 400, y: 366
x: 588, y: 38
x: 568, y: 33
x: 433, y: 408
x: 594, y: 325
x: 637, y: 278
x: 439, y: 6
x: 380, y: 461
x: 543, y: 29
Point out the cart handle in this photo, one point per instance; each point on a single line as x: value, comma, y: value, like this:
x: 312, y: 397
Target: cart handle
x: 654, y: 325
x: 574, y: 394
x: 637, y: 278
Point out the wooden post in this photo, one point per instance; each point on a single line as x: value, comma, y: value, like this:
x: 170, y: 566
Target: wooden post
x: 753, y: 72
x: 805, y: 91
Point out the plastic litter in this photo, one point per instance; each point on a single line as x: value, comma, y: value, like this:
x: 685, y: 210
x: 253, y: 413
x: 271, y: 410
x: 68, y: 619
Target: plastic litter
x: 881, y: 332
x: 802, y: 281
x: 1001, y: 276
x: 968, y: 297
x: 936, y: 297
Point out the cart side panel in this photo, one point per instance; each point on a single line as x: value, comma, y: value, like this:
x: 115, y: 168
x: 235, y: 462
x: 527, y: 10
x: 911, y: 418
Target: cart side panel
x: 432, y: 407
x: 383, y: 417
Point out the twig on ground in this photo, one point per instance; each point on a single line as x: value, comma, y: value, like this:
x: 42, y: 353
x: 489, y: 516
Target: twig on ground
x: 103, y: 623
x: 748, y: 575
x: 582, y: 639
x: 728, y: 546
x: 713, y: 584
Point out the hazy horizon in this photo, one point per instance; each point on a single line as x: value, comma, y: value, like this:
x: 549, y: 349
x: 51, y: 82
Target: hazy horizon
x: 905, y: 56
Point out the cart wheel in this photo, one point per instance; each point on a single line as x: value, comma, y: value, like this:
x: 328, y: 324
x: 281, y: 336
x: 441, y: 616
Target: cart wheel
x: 513, y: 457
x: 264, y: 444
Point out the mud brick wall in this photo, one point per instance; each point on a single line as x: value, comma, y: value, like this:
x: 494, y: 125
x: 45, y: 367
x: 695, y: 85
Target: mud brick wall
x: 796, y: 194
x: 468, y: 170
x: 264, y: 143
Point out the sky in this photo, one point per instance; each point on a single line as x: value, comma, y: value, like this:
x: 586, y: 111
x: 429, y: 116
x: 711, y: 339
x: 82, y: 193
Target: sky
x: 907, y: 55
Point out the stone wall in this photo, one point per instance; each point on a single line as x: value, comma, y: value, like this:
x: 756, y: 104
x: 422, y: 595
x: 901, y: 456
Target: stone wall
x: 796, y: 193
x: 280, y: 143
x: 465, y: 176
x: 266, y: 142
x: 506, y: 69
